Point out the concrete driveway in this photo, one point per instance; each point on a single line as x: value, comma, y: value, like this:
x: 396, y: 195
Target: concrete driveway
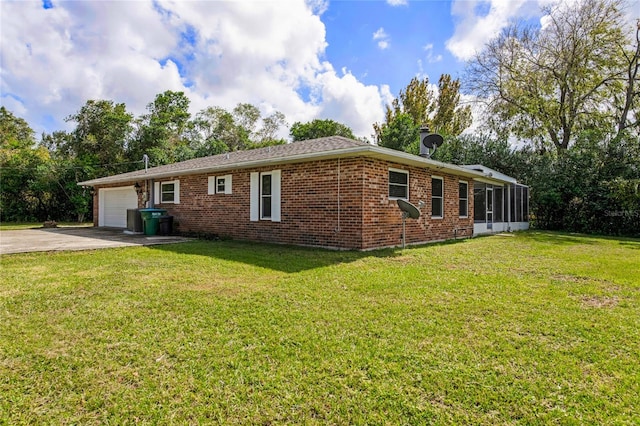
x: 81, y: 238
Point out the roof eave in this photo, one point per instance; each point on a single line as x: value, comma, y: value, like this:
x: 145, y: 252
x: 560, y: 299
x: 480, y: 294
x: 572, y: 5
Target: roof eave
x: 368, y: 150
x: 323, y: 155
x: 417, y: 161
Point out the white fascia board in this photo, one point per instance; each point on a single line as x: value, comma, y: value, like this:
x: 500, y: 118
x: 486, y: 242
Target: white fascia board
x: 491, y: 173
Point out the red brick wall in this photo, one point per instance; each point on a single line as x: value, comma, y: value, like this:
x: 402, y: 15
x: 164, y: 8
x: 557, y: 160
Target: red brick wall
x: 364, y: 218
x: 309, y: 205
x: 383, y: 219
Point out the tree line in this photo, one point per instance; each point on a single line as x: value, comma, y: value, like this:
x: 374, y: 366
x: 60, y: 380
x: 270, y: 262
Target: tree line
x: 39, y: 177
x: 562, y: 115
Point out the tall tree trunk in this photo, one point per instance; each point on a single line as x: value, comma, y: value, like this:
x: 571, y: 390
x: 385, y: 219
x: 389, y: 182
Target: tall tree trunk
x: 631, y: 93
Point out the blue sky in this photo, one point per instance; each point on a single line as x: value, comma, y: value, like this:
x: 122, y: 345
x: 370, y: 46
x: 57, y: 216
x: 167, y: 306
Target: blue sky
x: 415, y: 36
x: 343, y: 60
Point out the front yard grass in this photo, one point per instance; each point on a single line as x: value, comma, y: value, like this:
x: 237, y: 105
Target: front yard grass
x: 526, y: 328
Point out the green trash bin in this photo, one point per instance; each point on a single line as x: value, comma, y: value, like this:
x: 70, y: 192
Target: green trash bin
x: 151, y: 219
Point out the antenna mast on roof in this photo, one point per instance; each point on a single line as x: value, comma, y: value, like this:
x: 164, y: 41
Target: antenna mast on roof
x: 145, y: 158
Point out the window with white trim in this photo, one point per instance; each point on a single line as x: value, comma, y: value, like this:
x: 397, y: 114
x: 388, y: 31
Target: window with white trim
x: 437, y: 197
x: 219, y: 184
x: 265, y: 196
x: 398, y: 184
x: 463, y: 198
x: 167, y: 192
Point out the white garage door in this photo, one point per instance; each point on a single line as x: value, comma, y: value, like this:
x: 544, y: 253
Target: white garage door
x: 113, y: 204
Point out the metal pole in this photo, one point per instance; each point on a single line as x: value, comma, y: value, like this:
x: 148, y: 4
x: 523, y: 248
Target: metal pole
x: 404, y: 235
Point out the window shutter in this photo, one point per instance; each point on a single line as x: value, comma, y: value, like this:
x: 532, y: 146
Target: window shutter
x: 157, y: 197
x: 176, y: 196
x: 227, y: 184
x: 254, y: 197
x: 275, y: 198
x: 211, y: 186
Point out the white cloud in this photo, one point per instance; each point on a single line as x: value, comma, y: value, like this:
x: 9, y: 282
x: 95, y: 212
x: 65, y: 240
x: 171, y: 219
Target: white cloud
x: 348, y: 100
x: 380, y: 34
x: 382, y: 37
x: 397, y: 2
x: 479, y: 21
x: 218, y: 53
x: 63, y: 56
x: 431, y: 58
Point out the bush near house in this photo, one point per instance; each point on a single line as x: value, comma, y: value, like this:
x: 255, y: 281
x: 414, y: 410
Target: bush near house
x: 591, y: 187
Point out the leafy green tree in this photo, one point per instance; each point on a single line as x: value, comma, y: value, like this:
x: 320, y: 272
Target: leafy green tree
x: 246, y: 117
x: 163, y: 133
x: 451, y: 117
x: 592, y: 187
x: 628, y: 104
x: 415, y: 102
x: 495, y: 153
x: 268, y: 132
x: 21, y: 162
x: 100, y: 136
x: 550, y: 84
x: 319, y: 128
x: 216, y: 130
x: 443, y: 113
x: 401, y: 133
x: 95, y: 147
x: 15, y: 132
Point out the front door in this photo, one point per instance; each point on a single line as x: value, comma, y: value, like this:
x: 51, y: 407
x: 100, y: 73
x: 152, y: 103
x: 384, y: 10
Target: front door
x: 489, y: 207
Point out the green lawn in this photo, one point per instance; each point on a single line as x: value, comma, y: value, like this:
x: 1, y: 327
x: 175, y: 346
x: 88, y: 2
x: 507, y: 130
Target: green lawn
x: 527, y: 328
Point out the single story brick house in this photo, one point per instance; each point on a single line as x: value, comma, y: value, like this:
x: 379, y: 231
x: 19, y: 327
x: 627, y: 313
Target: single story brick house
x: 330, y: 192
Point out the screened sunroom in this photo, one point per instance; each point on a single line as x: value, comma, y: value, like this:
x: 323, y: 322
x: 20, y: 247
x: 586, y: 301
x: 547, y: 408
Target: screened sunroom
x: 500, y: 203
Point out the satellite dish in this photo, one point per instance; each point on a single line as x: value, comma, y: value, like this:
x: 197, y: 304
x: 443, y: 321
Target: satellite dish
x: 408, y: 210
x: 432, y: 140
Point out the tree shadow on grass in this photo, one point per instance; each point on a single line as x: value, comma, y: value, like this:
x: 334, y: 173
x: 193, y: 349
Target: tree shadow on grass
x: 564, y: 238
x: 632, y: 244
x: 284, y: 258
x: 560, y: 238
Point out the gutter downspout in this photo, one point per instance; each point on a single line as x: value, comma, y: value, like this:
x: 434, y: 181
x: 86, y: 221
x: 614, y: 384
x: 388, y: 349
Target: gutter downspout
x: 152, y: 197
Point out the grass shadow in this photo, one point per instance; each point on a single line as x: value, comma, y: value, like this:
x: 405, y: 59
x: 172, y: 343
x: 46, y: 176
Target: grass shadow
x: 566, y: 238
x: 284, y: 258
x: 631, y: 244
x: 560, y: 238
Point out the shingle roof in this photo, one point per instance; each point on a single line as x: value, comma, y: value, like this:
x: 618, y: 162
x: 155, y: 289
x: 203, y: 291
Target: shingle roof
x: 314, y: 149
x: 236, y: 159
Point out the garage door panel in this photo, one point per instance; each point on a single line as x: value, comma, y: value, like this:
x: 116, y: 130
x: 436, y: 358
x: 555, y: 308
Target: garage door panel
x: 113, y: 205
